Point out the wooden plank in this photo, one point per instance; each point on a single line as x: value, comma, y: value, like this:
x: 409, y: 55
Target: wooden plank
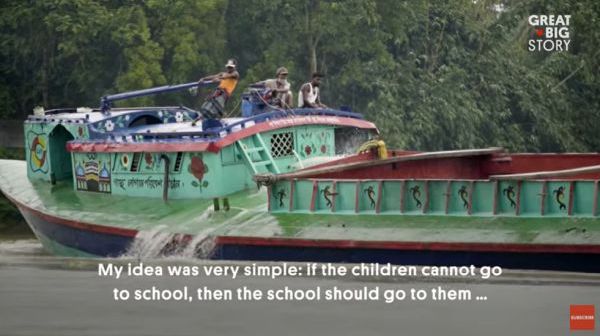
x: 571, y: 197
x: 314, y: 195
x: 356, y: 197
x: 379, y: 192
x: 548, y: 174
x: 292, y: 189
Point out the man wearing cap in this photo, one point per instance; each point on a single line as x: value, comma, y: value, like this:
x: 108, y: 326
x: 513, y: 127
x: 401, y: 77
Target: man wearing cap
x: 309, y: 96
x: 214, y: 105
x: 280, y: 88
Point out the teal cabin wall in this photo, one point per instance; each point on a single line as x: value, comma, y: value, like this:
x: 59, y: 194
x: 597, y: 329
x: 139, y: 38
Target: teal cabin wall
x: 307, y: 143
x: 45, y: 149
x: 191, y: 175
x: 196, y: 174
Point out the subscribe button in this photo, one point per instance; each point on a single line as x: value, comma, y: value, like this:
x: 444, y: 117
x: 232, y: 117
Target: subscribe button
x: 582, y: 317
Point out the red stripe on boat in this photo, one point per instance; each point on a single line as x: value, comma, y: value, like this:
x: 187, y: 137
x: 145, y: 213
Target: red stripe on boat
x: 75, y: 224
x: 408, y: 246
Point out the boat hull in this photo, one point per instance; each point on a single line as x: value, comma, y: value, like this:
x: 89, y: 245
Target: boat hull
x: 78, y: 224
x: 71, y: 238
x: 66, y: 237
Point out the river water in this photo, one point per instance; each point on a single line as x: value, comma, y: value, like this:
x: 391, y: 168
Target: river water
x: 42, y: 294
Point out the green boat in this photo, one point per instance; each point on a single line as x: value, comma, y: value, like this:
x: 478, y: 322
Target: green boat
x: 296, y: 184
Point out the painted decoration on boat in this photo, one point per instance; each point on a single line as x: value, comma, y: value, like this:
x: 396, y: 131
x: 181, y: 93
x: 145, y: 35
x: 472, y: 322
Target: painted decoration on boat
x: 560, y: 195
x: 198, y: 169
x: 464, y: 195
x: 509, y: 192
x: 327, y: 195
x: 146, y: 183
x: 149, y: 159
x: 416, y: 195
x: 370, y: 191
x: 308, y: 150
x: 315, y: 141
x: 93, y: 174
x: 38, y: 151
x: 280, y: 195
x: 122, y: 122
x: 125, y: 160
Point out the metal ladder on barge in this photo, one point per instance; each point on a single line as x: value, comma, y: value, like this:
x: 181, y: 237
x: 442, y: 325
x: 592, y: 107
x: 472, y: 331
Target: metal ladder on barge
x: 256, y: 155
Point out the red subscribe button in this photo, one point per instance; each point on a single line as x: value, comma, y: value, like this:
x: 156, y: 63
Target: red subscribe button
x: 582, y: 317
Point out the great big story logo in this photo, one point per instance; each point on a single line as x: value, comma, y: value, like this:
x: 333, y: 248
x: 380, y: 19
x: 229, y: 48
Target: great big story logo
x: 550, y: 33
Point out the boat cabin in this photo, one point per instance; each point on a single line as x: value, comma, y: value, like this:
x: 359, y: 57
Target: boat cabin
x: 156, y: 152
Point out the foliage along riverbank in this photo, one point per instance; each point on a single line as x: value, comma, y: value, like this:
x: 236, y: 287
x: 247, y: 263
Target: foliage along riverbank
x: 434, y: 75
x: 12, y: 224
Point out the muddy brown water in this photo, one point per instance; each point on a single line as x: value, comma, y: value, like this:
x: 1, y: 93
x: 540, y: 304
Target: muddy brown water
x: 42, y: 294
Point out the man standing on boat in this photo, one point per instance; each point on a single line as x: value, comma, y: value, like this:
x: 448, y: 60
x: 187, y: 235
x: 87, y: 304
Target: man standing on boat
x: 214, y: 105
x: 280, y: 88
x: 308, y: 96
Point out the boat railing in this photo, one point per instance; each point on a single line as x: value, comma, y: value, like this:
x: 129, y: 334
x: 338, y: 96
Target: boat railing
x: 106, y: 101
x: 246, y: 122
x: 295, y: 112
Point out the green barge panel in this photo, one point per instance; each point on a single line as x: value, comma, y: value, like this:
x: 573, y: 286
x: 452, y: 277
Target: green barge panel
x: 434, y: 197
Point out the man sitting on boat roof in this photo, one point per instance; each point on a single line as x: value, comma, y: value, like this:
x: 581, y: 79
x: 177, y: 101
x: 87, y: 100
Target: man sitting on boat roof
x: 309, y: 96
x: 214, y: 105
x: 279, y: 87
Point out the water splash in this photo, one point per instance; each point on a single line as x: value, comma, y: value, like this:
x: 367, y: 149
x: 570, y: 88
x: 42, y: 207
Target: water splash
x: 149, y: 244
x: 161, y: 242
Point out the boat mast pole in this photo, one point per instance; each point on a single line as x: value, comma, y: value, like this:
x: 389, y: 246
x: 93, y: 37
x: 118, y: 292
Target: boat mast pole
x: 106, y: 101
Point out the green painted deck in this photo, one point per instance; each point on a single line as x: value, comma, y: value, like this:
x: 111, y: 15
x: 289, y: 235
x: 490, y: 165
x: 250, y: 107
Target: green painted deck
x: 249, y: 217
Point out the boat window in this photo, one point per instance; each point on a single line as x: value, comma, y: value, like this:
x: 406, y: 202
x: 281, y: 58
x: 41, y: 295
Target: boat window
x: 135, y: 163
x: 145, y: 120
x: 282, y: 144
x: 349, y: 139
x: 178, y: 161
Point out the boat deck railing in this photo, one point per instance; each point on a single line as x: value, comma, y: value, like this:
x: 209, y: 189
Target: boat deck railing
x: 224, y: 130
x: 455, y: 197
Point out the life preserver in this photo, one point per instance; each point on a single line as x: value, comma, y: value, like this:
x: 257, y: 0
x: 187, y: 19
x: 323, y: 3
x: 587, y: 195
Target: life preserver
x: 38, y: 152
x: 125, y: 160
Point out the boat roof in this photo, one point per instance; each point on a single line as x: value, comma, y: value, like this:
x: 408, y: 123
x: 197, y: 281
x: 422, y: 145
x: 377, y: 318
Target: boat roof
x: 111, y: 132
